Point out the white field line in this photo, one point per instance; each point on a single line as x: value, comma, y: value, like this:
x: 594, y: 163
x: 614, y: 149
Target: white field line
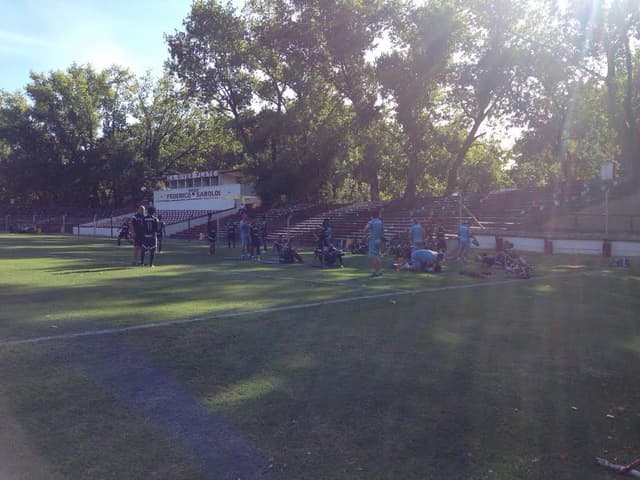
x: 284, y: 308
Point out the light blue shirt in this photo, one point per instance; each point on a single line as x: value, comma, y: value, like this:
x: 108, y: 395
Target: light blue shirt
x: 375, y: 229
x: 417, y: 234
x: 464, y: 232
x: 424, y: 257
x: 244, y: 225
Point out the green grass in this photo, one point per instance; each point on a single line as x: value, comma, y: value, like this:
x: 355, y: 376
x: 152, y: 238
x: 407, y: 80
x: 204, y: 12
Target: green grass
x: 504, y: 381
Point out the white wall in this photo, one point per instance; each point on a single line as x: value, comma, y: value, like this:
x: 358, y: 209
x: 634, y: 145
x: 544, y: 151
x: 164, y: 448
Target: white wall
x: 218, y: 197
x: 560, y: 246
x: 583, y: 247
x: 625, y: 249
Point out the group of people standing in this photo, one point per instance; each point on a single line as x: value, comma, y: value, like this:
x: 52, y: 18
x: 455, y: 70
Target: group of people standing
x: 427, y: 252
x: 253, y: 234
x: 146, y: 231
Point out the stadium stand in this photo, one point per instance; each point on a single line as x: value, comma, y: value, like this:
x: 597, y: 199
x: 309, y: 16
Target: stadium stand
x: 492, y: 213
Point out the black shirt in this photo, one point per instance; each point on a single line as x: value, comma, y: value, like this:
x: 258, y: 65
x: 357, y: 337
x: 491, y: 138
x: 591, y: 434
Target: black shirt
x: 150, y: 226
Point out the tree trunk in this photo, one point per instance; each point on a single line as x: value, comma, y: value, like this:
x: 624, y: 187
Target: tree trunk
x: 412, y: 176
x: 452, y: 178
x: 615, y: 118
x: 374, y: 191
x: 631, y: 153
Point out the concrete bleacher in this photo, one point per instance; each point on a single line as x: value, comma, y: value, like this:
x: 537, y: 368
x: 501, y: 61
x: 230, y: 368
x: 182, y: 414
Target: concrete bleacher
x: 276, y: 218
x: 498, y: 212
x: 345, y: 221
x: 169, y: 217
x: 491, y: 213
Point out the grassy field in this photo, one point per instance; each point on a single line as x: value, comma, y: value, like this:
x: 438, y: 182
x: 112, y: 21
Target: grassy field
x: 210, y: 369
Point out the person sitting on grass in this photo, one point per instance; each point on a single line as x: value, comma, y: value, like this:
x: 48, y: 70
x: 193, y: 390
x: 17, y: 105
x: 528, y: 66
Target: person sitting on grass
x: 333, y: 257
x: 358, y: 247
x: 278, y: 245
x: 486, y: 260
x: 503, y: 258
x: 288, y: 254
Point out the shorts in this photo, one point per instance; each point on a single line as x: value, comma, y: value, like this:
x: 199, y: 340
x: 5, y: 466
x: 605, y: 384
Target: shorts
x: 244, y: 241
x: 149, y: 243
x: 374, y: 248
x: 137, y: 241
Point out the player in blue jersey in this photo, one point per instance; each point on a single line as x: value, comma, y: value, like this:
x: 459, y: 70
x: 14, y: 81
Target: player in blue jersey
x: 464, y: 241
x: 244, y: 226
x: 375, y: 231
x: 416, y: 235
x: 423, y: 260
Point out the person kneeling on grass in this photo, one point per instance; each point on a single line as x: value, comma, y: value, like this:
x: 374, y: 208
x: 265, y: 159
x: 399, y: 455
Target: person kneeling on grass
x: 278, y: 245
x: 288, y: 254
x: 425, y: 261
x: 333, y: 257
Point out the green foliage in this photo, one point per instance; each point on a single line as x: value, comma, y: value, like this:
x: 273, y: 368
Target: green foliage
x: 342, y: 99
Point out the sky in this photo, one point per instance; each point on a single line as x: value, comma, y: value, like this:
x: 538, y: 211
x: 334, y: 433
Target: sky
x: 45, y: 35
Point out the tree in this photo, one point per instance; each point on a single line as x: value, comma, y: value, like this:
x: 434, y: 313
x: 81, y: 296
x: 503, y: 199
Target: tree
x: 212, y: 58
x: 175, y: 134
x: 603, y: 32
x: 27, y: 170
x: 491, y: 78
x: 410, y: 77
